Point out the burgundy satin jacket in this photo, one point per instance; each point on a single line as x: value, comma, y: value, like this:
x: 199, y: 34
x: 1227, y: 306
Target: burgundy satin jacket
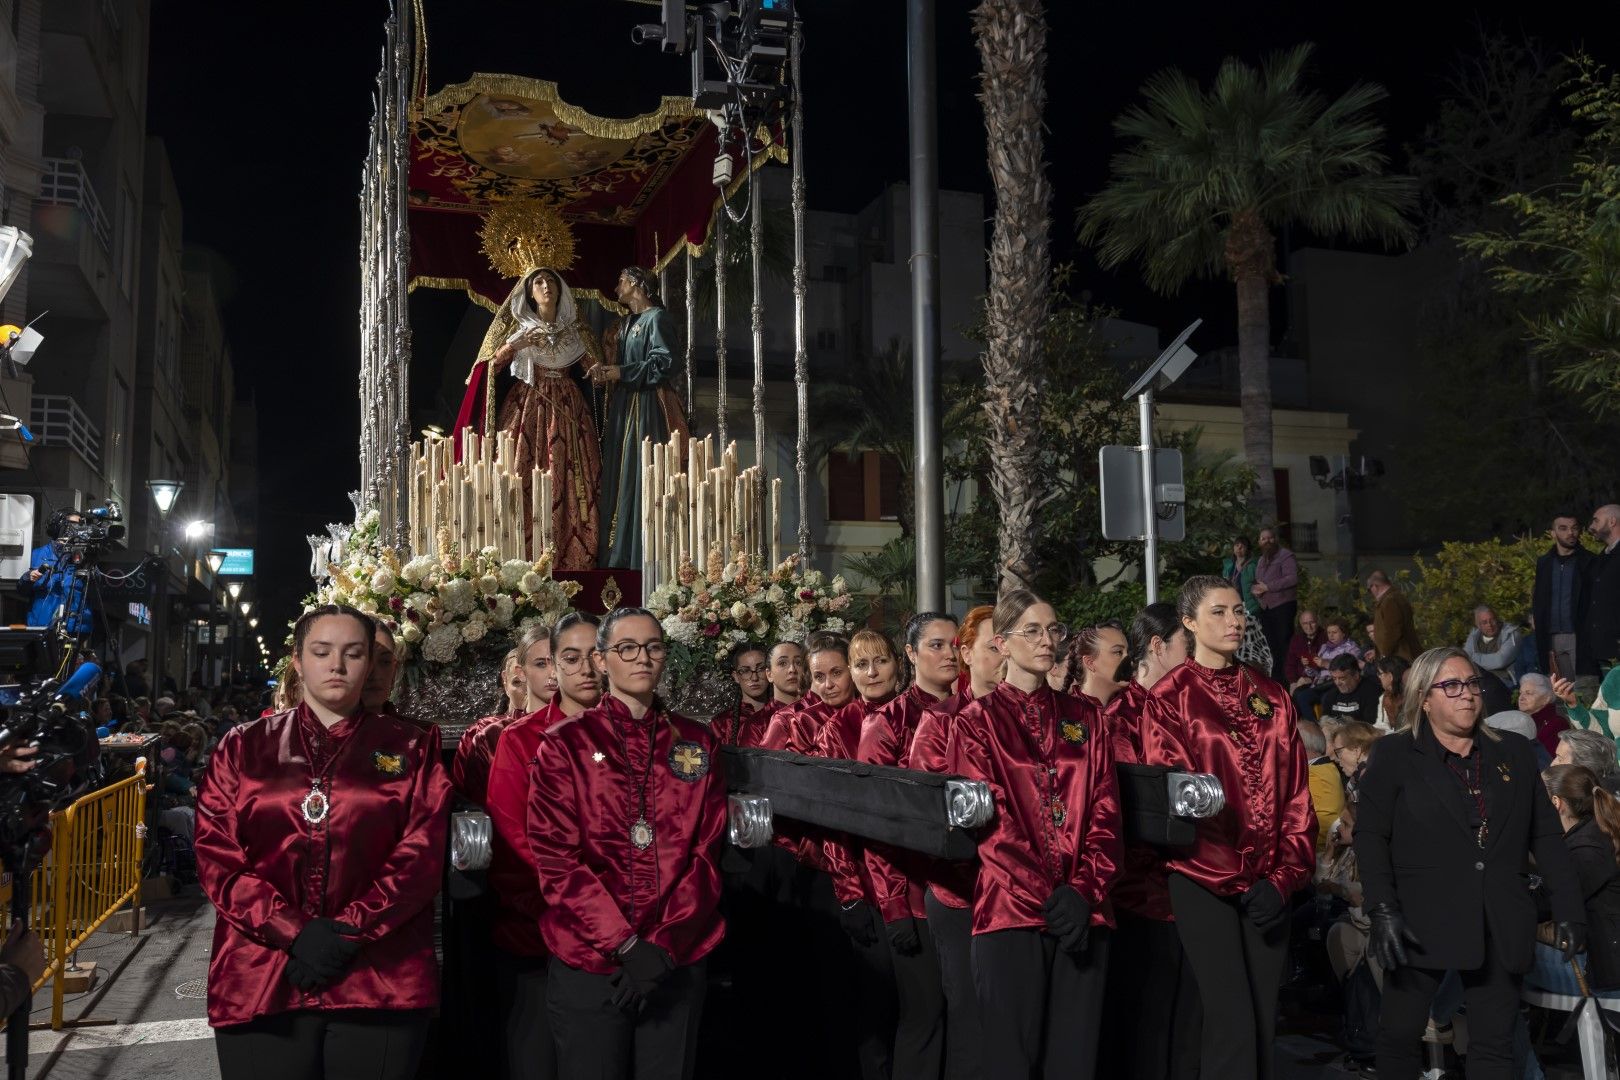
x: 1051, y: 772
x: 597, y: 887
x: 780, y: 730
x: 1239, y: 726
x: 898, y: 877
x: 951, y: 881
x: 744, y: 726
x: 838, y: 739
x: 374, y: 861
x: 1143, y: 886
x: 512, y: 876
x: 469, y: 771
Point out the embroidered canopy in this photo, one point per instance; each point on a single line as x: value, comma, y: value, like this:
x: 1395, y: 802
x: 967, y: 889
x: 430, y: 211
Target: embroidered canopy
x: 635, y: 191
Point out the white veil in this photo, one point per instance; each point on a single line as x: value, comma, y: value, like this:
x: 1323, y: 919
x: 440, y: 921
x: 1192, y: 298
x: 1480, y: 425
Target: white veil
x: 540, y: 344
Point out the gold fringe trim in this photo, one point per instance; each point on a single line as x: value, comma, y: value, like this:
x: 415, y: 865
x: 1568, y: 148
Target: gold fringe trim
x: 459, y: 94
x: 424, y: 281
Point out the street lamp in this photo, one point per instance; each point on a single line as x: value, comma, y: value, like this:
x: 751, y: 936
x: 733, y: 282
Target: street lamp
x: 247, y: 605
x: 216, y: 559
x: 196, y: 530
x: 165, y: 493
x: 235, y: 589
x: 254, y: 622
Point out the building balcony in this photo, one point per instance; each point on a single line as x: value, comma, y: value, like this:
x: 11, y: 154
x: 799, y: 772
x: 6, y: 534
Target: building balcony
x: 57, y: 420
x: 71, y: 271
x: 82, y: 48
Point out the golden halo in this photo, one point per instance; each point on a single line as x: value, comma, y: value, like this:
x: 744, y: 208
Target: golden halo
x: 522, y: 234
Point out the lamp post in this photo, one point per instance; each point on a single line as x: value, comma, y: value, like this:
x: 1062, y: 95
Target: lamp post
x: 215, y: 560
x: 165, y: 493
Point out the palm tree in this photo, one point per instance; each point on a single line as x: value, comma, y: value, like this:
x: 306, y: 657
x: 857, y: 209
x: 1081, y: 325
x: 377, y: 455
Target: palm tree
x: 1209, y: 179
x: 1011, y: 36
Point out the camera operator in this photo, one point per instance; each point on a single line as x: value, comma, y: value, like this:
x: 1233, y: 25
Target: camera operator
x: 52, y: 583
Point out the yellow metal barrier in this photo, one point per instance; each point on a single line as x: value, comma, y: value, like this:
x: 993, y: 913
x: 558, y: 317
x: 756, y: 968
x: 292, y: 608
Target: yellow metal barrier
x: 93, y: 868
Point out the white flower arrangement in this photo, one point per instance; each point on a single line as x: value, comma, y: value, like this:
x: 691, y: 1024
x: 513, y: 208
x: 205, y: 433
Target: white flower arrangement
x: 438, y: 607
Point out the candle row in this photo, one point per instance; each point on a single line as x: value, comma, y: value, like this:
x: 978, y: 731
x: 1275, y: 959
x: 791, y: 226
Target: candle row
x: 479, y: 499
x: 694, y: 502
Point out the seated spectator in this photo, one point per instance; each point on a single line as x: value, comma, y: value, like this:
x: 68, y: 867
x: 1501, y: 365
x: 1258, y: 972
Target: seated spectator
x: 1537, y: 701
x: 1327, y: 785
x: 1352, y: 696
x: 1305, y: 677
x: 1593, y: 749
x: 1391, y: 672
x: 1336, y: 629
x: 163, y: 707
x: 1493, y: 646
x: 1519, y: 722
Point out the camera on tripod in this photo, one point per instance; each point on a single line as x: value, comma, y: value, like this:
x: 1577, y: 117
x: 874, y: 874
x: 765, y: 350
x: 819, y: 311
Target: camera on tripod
x: 95, y: 529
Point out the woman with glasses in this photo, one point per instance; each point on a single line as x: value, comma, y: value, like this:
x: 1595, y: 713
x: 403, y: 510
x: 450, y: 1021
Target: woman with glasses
x: 1046, y: 860
x: 1229, y: 891
x: 320, y: 843
x: 1449, y: 813
x: 1097, y: 661
x: 949, y: 895
x: 744, y: 724
x: 1149, y: 994
x: 897, y: 877
x: 627, y: 805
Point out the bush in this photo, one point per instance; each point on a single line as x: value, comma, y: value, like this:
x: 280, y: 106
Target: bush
x: 1461, y: 576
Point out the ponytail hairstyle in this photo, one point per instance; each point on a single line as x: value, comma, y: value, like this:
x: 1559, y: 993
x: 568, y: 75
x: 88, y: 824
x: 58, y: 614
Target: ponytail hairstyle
x: 1157, y: 620
x: 1586, y: 798
x: 307, y: 619
x: 967, y: 635
x: 826, y: 641
x: 1084, y: 644
x: 872, y: 643
x: 1010, y: 608
x: 1193, y: 591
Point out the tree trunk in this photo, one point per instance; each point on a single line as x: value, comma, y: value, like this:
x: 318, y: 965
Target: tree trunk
x: 1250, y: 258
x: 1011, y: 36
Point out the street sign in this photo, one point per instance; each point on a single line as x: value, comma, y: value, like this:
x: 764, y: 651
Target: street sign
x: 1121, y: 483
x: 238, y: 562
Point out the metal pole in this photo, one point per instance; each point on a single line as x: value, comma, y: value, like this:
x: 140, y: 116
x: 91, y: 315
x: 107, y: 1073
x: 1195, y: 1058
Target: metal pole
x: 929, y: 482
x: 757, y: 318
x: 160, y: 617
x: 720, y: 321
x: 691, y: 335
x: 1150, y: 511
x: 801, y: 356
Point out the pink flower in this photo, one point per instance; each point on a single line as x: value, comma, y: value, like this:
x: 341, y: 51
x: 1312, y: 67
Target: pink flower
x: 413, y: 615
x: 807, y: 594
x: 395, y: 604
x: 712, y: 630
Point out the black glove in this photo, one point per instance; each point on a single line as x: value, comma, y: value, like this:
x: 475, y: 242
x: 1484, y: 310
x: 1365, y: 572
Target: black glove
x: 645, y: 966
x: 1264, y: 905
x: 856, y: 919
x: 1068, y: 918
x: 1571, y: 939
x: 1389, y: 936
x: 904, y: 937
x: 321, y: 947
x: 624, y: 996
x: 302, y: 975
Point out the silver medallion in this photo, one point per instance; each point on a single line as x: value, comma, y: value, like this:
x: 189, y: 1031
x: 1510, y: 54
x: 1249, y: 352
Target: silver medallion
x: 316, y: 805
x: 641, y: 835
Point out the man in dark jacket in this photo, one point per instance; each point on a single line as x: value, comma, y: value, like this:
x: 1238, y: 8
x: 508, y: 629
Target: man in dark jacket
x: 1557, y: 595
x: 1597, y: 622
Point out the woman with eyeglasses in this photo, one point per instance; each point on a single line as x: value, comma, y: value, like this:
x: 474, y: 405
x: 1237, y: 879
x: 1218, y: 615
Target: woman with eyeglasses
x: 1149, y: 993
x: 1097, y: 661
x: 1448, y: 815
x: 745, y: 723
x: 627, y: 805
x: 897, y: 877
x: 320, y: 843
x: 1229, y: 891
x: 1046, y: 860
x: 948, y: 898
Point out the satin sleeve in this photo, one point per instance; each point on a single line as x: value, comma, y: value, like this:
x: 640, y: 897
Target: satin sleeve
x: 1161, y: 737
x: 842, y: 853
x: 475, y: 752
x: 412, y: 875
x: 571, y: 890
x: 776, y: 733
x: 967, y: 756
x: 1099, y: 857
x: 891, y: 887
x: 687, y: 914
x: 508, y: 810
x: 241, y: 897
x: 1296, y: 840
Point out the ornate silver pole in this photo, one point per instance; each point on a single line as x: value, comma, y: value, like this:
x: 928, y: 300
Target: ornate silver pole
x: 757, y: 318
x: 801, y: 359
x: 720, y: 321
x: 400, y: 327
x: 930, y: 484
x: 691, y: 336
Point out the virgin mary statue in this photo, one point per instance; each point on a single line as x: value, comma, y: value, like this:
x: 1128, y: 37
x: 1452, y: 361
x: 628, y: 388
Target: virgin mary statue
x: 525, y: 370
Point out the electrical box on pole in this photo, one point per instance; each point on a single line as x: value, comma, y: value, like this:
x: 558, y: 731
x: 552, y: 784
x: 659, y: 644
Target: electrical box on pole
x: 1123, y: 503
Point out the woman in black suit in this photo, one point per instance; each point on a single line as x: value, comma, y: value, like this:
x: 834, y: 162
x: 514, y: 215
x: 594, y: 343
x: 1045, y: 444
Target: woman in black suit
x: 1449, y: 812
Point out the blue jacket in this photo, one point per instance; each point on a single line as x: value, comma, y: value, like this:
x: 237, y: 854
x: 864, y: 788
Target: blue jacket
x: 56, y: 590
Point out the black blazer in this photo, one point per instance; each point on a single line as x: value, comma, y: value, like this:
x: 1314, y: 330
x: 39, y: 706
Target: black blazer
x: 1416, y: 851
x: 1541, y: 598
x: 1599, y: 873
x: 1597, y: 615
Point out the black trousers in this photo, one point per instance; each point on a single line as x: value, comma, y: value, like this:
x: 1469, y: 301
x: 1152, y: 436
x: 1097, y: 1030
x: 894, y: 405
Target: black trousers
x: 1239, y: 971
x: 596, y: 1041
x: 919, y: 1031
x: 875, y: 1003
x: 324, y: 1044
x: 1152, y: 1012
x: 952, y: 930
x: 1039, y: 1005
x: 528, y: 1050
x: 1278, y: 625
x: 1492, y: 996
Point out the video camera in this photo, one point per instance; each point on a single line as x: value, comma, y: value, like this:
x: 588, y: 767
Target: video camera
x: 54, y: 718
x: 95, y: 529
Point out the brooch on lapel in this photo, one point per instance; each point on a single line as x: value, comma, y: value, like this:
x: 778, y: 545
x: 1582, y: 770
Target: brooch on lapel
x: 1507, y: 775
x: 599, y: 757
x: 388, y: 764
x: 688, y: 761
x: 1073, y: 732
x: 1260, y: 706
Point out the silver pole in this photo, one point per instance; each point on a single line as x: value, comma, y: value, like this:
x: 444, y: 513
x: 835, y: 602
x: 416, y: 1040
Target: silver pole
x: 691, y: 335
x: 720, y: 321
x: 757, y: 314
x: 930, y: 493
x: 801, y: 357
x: 1150, y: 513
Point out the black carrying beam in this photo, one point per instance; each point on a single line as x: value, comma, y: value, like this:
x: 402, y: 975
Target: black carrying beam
x: 1144, y: 797
x: 900, y: 807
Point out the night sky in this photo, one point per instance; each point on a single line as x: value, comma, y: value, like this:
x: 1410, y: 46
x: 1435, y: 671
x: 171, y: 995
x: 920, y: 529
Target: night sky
x: 265, y: 111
